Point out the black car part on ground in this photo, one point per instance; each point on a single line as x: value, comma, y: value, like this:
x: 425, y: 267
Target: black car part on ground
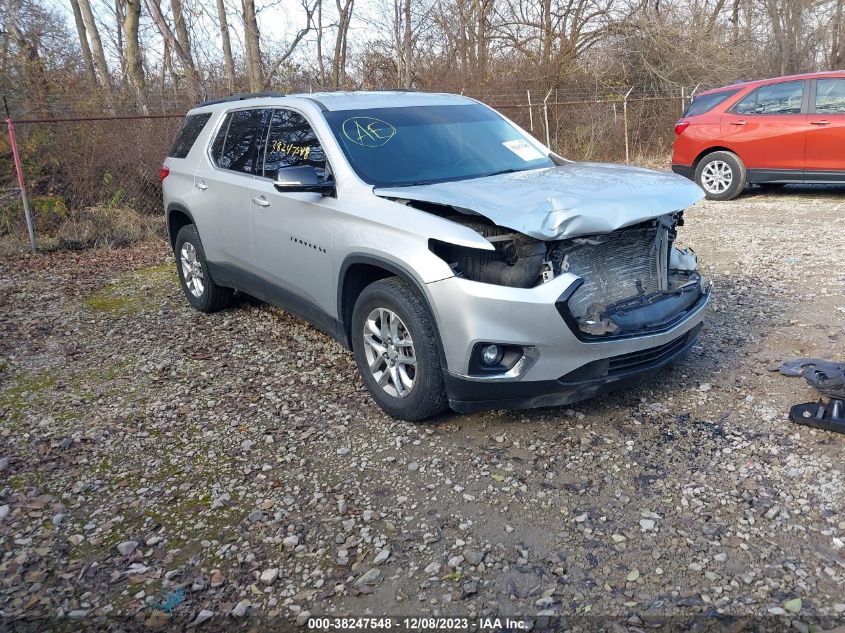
x: 828, y: 416
x: 826, y: 376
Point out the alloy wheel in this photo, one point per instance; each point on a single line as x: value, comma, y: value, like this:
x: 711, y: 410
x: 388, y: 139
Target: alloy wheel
x: 389, y: 351
x: 192, y: 270
x: 716, y: 177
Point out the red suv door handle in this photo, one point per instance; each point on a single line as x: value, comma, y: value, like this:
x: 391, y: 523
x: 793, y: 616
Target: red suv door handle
x: 822, y: 122
x: 737, y: 122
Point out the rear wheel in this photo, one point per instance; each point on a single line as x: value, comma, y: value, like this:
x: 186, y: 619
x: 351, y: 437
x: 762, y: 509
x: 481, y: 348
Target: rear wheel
x: 393, y: 338
x: 721, y: 175
x: 200, y: 290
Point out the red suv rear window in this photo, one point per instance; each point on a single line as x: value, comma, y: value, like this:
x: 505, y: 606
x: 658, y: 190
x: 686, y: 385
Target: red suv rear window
x: 707, y: 102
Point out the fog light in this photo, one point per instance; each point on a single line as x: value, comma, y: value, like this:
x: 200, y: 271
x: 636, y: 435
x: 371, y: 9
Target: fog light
x: 491, y: 354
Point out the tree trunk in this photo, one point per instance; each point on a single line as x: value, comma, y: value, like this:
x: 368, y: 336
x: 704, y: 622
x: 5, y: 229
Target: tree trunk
x: 228, y: 61
x: 180, y: 29
x: 100, y: 65
x: 407, y: 46
x: 253, y: 46
x: 322, y: 65
x: 87, y: 60
x: 172, y: 44
x: 838, y: 53
x: 344, y: 11
x: 134, y: 62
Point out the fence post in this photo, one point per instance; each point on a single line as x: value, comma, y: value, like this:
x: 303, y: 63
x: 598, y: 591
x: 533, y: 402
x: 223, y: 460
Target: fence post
x: 21, y: 182
x: 546, y: 118
x: 530, y: 112
x: 683, y: 99
x: 625, y: 123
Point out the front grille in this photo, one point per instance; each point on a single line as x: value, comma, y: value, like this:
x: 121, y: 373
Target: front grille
x: 644, y: 358
x: 614, y: 267
x: 631, y: 363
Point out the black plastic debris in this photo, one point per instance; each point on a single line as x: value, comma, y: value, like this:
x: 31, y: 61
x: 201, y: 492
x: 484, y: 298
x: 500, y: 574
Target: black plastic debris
x: 829, y: 416
x: 828, y: 377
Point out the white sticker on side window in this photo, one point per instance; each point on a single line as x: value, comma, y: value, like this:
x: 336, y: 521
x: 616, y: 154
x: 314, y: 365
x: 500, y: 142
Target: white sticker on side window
x: 522, y: 149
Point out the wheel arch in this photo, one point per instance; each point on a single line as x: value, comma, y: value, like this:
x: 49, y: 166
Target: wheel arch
x: 360, y: 270
x: 710, y: 150
x: 177, y: 217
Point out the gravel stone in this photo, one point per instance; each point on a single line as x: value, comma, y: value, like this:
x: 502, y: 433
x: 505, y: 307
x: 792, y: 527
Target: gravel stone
x: 722, y: 504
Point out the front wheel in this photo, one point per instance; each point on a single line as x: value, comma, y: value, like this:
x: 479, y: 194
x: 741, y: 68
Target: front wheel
x: 721, y: 175
x: 393, y: 338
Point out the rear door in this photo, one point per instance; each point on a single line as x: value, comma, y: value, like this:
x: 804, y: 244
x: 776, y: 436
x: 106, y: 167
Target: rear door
x: 768, y: 129
x: 292, y: 232
x: 825, y: 156
x: 221, y: 198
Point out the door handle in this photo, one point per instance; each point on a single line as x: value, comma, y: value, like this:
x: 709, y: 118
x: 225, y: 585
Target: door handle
x: 202, y: 186
x: 737, y: 122
x: 261, y: 201
x: 822, y: 122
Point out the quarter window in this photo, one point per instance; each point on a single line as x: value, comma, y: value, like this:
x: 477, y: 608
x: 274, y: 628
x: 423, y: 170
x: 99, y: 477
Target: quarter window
x: 782, y: 98
x: 291, y: 142
x: 188, y: 133
x: 236, y: 142
x: 830, y: 96
x: 705, y: 103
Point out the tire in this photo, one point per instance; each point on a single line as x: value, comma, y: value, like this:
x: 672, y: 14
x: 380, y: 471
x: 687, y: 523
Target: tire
x: 412, y: 334
x: 721, y: 174
x: 205, y: 296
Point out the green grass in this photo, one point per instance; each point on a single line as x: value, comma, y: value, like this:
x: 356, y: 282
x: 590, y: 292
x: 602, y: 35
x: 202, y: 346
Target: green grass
x: 135, y: 291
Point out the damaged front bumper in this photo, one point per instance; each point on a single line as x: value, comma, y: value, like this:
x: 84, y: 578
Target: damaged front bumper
x: 562, y: 363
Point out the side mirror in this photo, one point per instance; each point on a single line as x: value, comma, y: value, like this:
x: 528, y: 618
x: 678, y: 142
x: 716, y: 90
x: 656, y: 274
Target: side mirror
x: 301, y: 179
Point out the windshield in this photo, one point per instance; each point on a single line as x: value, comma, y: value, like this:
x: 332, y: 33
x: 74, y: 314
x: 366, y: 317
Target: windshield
x: 426, y: 144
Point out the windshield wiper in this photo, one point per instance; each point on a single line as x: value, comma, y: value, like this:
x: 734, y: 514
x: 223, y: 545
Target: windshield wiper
x: 499, y: 173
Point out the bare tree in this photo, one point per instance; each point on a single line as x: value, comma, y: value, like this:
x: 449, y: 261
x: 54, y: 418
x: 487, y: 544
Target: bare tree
x: 837, y: 56
x: 99, y: 54
x: 132, y: 54
x: 228, y: 60
x: 172, y: 44
x: 87, y: 59
x: 344, y: 10
x: 253, y: 46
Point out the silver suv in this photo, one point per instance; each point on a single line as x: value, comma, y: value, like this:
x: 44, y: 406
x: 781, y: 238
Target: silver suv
x: 463, y: 262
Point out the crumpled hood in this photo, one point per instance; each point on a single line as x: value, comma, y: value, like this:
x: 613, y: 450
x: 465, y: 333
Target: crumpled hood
x: 562, y: 202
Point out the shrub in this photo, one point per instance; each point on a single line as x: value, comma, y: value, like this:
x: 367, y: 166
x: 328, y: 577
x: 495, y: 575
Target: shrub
x: 107, y: 226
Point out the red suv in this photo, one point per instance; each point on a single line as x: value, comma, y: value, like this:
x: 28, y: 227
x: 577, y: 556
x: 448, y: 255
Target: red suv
x: 768, y: 132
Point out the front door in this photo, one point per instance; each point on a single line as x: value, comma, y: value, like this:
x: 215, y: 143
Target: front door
x: 292, y: 232
x: 768, y: 130
x: 825, y: 159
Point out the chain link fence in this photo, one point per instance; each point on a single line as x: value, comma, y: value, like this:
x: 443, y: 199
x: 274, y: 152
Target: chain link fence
x: 110, y: 162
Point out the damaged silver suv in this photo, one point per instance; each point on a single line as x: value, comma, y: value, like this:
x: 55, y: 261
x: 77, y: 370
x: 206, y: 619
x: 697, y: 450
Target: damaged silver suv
x: 463, y: 262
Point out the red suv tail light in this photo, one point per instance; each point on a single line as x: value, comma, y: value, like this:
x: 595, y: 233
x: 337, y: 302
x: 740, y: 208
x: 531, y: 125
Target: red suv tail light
x: 680, y: 126
x: 164, y: 172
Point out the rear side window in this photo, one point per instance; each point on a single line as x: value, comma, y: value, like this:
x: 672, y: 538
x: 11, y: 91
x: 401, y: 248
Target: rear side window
x: 707, y: 102
x: 235, y: 146
x: 188, y: 133
x: 292, y: 143
x: 830, y: 96
x: 782, y: 98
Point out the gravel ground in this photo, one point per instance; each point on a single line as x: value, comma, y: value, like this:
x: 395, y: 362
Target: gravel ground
x: 161, y: 466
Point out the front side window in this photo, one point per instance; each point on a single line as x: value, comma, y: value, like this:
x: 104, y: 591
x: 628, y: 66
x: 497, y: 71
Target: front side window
x: 705, y: 103
x: 291, y: 142
x: 235, y: 146
x: 427, y: 144
x: 782, y: 98
x: 830, y: 96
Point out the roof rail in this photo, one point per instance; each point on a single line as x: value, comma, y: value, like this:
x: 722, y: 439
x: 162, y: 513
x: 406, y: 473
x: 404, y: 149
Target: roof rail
x: 240, y: 97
